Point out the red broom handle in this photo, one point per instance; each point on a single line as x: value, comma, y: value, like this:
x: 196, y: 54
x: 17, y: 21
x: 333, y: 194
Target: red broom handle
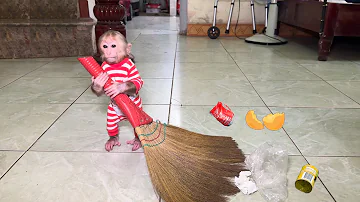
x: 136, y: 116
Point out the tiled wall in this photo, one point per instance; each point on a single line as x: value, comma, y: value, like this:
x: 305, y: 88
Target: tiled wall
x: 54, y: 9
x: 44, y: 28
x: 39, y: 9
x: 14, y: 9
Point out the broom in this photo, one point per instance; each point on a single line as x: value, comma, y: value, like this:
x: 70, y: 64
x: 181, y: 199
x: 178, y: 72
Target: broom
x: 184, y: 166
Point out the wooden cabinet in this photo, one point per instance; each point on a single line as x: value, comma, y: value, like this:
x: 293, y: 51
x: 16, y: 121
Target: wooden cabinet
x: 341, y: 19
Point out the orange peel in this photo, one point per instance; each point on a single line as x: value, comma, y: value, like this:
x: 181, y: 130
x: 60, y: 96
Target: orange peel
x: 252, y: 121
x: 274, y: 121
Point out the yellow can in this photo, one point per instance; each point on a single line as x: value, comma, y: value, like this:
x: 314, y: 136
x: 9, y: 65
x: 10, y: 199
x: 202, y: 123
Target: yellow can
x: 306, y: 179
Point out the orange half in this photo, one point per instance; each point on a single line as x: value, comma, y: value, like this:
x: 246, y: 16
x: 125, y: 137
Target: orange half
x: 252, y: 121
x: 274, y: 121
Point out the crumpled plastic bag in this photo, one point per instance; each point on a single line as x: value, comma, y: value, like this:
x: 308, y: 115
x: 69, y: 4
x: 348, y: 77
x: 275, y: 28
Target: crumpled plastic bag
x: 244, y: 183
x: 268, y: 165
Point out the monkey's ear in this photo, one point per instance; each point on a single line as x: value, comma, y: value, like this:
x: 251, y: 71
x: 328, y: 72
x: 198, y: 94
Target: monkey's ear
x: 128, y: 48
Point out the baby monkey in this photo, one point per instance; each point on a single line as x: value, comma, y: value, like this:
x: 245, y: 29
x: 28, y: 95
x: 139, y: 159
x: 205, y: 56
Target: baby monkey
x: 118, y: 65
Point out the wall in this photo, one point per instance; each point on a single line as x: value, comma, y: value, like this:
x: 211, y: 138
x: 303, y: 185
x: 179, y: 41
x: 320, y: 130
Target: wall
x: 39, y: 9
x: 183, y: 17
x: 43, y: 28
x: 201, y: 12
x: 200, y: 17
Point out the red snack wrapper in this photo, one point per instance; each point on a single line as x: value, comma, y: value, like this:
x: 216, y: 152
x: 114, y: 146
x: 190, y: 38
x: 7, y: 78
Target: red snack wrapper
x: 223, y: 114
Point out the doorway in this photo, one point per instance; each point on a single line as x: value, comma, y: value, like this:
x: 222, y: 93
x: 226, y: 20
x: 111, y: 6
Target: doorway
x: 158, y: 7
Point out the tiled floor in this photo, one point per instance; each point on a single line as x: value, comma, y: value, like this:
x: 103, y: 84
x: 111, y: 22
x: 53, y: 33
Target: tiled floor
x: 56, y: 150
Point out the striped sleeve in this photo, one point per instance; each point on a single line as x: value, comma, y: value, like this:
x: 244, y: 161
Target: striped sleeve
x: 134, y: 76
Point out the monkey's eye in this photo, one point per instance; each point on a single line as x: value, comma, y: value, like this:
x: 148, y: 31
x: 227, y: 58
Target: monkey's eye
x: 113, y: 46
x: 105, y: 46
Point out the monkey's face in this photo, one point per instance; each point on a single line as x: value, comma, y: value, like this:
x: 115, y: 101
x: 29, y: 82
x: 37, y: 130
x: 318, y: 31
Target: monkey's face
x: 113, y: 50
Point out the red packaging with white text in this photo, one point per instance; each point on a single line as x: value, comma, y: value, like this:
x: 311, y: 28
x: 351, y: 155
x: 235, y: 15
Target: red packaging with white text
x: 223, y: 114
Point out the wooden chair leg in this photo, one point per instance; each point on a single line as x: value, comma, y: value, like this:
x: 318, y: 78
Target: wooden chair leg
x: 326, y: 39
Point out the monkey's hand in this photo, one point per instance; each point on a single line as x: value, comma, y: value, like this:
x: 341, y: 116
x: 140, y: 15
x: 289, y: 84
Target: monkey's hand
x: 98, y: 83
x: 117, y: 88
x: 113, y: 141
x: 136, y: 143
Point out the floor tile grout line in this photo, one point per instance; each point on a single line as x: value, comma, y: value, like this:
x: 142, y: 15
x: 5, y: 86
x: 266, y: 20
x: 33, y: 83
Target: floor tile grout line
x: 305, y: 80
x: 172, y: 82
x: 11, y: 150
x: 137, y: 152
x: 274, y: 106
x: 245, y: 75
x: 60, y: 77
x: 313, y: 107
x: 289, y: 135
x: 282, y: 127
x: 326, y: 81
x: 85, y: 151
x: 322, y: 79
x: 298, y: 147
x: 263, y: 101
x: 195, y: 105
x: 24, y: 75
x: 84, y: 103
x: 308, y: 162
x: 170, y: 97
x: 355, y: 62
x: 266, y: 105
x: 335, y: 156
x: 267, y: 80
x: 136, y: 37
x: 171, y: 92
x: 23, y: 153
x: 43, y: 134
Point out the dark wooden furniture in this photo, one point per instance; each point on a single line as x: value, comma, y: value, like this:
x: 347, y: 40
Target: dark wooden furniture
x: 110, y: 15
x: 341, y: 19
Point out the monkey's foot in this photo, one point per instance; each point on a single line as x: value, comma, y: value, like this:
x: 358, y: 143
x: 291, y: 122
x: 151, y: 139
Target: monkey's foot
x: 136, y: 143
x: 113, y: 141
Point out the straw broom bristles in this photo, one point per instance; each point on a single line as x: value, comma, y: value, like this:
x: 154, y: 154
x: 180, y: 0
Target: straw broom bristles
x: 190, y: 167
x: 184, y: 166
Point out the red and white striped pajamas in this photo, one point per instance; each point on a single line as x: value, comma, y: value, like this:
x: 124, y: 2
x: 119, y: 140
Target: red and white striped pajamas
x: 121, y: 72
